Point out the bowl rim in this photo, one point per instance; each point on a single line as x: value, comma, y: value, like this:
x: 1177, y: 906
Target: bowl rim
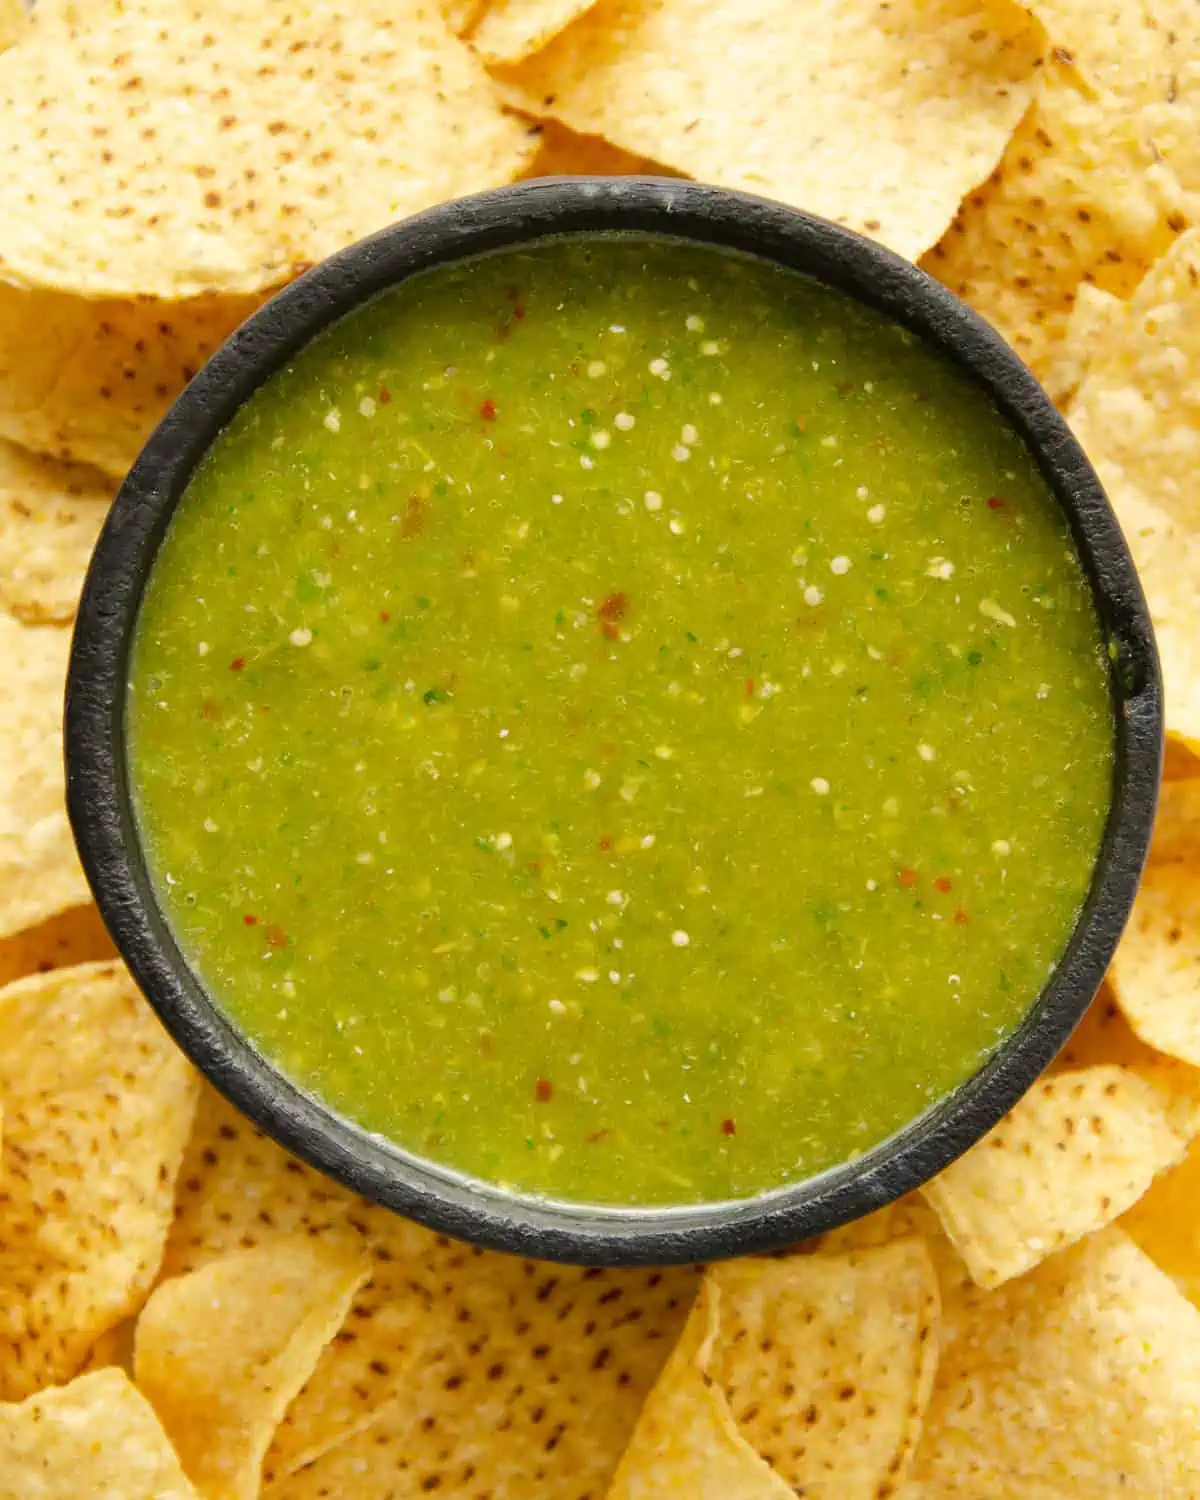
x: 98, y: 795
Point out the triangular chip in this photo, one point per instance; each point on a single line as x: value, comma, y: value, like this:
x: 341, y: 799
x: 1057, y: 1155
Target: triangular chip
x: 75, y: 936
x: 1072, y: 1156
x: 1137, y: 413
x: 687, y: 1442
x: 880, y: 124
x: 564, y: 153
x: 88, y: 380
x: 1080, y: 196
x: 238, y: 1189
x: 14, y: 22
x: 1166, y: 1224
x: 1080, y: 1379
x: 302, y: 129
x: 452, y: 1359
x: 813, y: 1369
x: 1155, y: 973
x: 1093, y: 315
x: 39, y: 869
x: 95, y: 1438
x: 97, y: 1106
x: 510, y: 30
x: 50, y: 517
x: 222, y: 1351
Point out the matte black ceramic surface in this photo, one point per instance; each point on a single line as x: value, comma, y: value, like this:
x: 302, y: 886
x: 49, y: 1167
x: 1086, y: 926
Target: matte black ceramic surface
x: 98, y: 792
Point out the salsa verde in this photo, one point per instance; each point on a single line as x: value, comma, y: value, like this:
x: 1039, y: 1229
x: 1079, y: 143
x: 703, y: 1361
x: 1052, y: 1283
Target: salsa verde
x: 622, y: 720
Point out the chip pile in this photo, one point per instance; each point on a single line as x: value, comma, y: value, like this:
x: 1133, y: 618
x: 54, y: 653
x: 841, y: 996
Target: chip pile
x: 187, y: 1312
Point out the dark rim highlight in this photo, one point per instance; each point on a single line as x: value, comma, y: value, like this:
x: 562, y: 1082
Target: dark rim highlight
x: 98, y: 793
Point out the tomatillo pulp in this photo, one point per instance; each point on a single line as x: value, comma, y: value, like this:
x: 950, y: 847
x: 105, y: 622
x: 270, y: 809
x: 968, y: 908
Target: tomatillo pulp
x: 621, y: 719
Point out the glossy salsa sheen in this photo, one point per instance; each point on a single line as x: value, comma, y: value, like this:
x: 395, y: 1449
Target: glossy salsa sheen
x: 621, y: 720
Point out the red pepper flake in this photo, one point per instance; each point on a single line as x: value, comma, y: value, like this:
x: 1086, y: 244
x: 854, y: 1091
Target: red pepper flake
x: 614, y: 607
x: 960, y: 918
x: 250, y: 920
x: 609, y: 630
x: 487, y: 410
x: 210, y: 709
x: 519, y: 311
x: 276, y: 937
x: 238, y: 664
x: 599, y: 1135
x: 384, y: 616
x: 384, y: 395
x: 413, y: 522
x: 604, y: 844
x: 943, y: 883
x: 749, y: 687
x: 728, y: 1127
x: 907, y: 878
x: 543, y: 1091
x: 995, y: 503
x: 534, y: 867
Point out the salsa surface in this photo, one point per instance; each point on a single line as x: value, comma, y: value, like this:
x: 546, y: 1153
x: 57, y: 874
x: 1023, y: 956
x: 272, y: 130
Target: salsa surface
x: 621, y: 720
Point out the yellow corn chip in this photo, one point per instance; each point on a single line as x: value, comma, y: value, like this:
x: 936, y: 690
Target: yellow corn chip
x: 113, y: 1347
x: 1073, y: 1155
x: 97, y: 1106
x: 1136, y: 413
x: 1105, y: 1036
x: 564, y: 153
x: 879, y: 120
x: 88, y: 380
x: 75, y: 936
x: 1080, y: 196
x: 237, y: 1189
x: 529, y: 1375
x: 305, y: 128
x: 814, y: 1370
x: 461, y: 15
x: 1166, y: 1225
x: 510, y: 30
x: 1088, y: 328
x: 39, y: 870
x: 221, y: 1352
x: 1079, y: 1379
x: 95, y: 1439
x: 50, y: 516
x: 14, y: 22
x: 1156, y: 971
x: 687, y: 1442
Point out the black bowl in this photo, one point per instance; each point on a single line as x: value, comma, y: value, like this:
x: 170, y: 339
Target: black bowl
x: 98, y: 790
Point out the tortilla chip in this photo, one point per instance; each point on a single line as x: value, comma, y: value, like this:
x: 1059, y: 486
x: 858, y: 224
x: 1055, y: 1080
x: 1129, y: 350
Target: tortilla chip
x: 50, y: 516
x: 1155, y: 973
x: 39, y: 869
x: 1137, y: 413
x: 96, y: 1437
x: 221, y: 1352
x: 1082, y: 1378
x: 1088, y: 328
x: 461, y: 15
x: 97, y: 1106
x: 114, y: 1347
x: 1080, y: 197
x: 814, y: 1370
x: 304, y: 129
x: 1179, y: 762
x: 745, y: 96
x: 75, y: 936
x: 564, y: 153
x: 1166, y: 1225
x: 238, y: 1189
x: 1105, y: 1036
x: 511, y: 30
x: 14, y: 22
x: 1073, y: 1155
x: 531, y: 1376
x: 687, y: 1442
x: 89, y: 380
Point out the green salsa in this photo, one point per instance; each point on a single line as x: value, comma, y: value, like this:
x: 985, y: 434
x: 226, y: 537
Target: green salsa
x: 622, y: 720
